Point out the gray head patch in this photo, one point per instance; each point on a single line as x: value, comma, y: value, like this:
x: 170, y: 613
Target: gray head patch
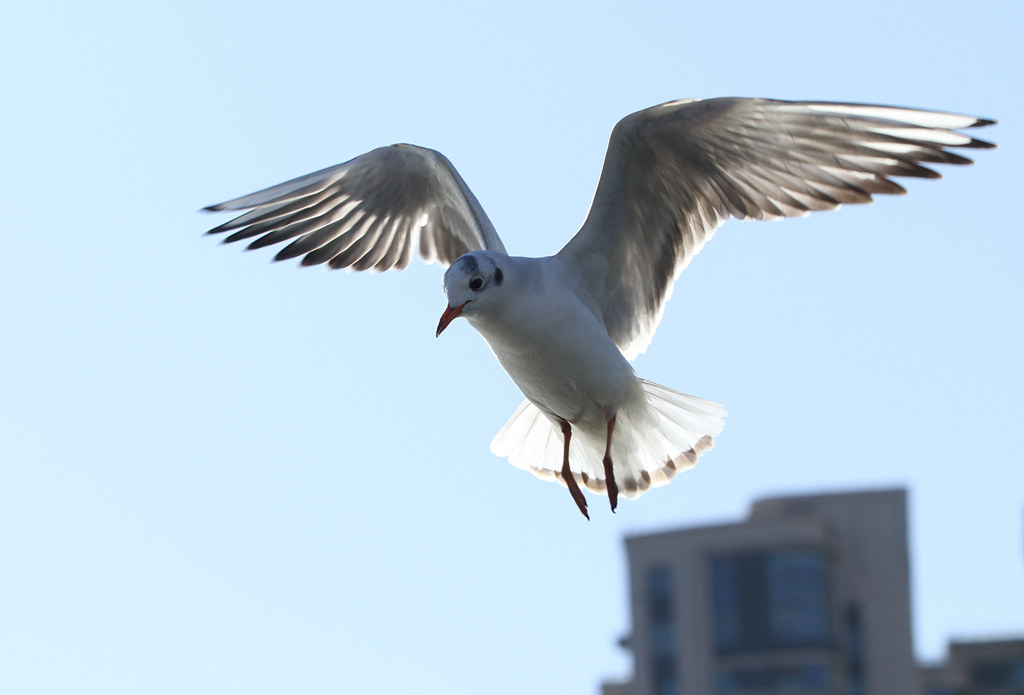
x: 469, y: 262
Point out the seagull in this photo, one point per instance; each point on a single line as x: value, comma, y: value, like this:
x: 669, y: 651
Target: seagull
x: 566, y: 327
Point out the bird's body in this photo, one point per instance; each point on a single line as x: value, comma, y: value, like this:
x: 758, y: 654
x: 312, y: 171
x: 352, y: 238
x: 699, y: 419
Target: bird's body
x: 565, y: 327
x: 553, y: 345
x: 547, y: 332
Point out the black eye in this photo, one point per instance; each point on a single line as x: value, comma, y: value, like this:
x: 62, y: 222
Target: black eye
x: 476, y: 283
x: 498, y: 276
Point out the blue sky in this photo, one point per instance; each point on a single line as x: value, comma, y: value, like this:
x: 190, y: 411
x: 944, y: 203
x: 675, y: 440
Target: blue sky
x: 221, y: 475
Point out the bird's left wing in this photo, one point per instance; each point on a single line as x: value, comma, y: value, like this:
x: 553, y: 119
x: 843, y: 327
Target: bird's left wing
x: 371, y: 212
x: 674, y: 173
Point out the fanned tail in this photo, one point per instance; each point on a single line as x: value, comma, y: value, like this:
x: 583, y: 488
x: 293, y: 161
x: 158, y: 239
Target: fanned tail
x: 653, y: 440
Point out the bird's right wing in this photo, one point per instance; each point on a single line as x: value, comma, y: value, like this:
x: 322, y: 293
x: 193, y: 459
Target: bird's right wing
x: 369, y: 213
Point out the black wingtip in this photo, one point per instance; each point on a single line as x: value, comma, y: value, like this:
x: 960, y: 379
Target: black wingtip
x: 220, y: 228
x: 982, y: 144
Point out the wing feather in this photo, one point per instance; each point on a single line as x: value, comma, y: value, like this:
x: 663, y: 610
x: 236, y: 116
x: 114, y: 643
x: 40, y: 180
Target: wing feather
x: 675, y: 172
x: 367, y: 213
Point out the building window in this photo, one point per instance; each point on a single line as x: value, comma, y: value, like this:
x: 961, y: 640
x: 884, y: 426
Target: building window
x: 853, y: 650
x: 725, y: 598
x: 663, y: 635
x: 772, y: 600
x: 797, y: 584
x: 1005, y: 675
x: 803, y: 678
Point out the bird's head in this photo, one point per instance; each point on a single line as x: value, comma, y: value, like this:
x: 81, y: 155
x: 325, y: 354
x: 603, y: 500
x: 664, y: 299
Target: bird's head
x: 472, y: 283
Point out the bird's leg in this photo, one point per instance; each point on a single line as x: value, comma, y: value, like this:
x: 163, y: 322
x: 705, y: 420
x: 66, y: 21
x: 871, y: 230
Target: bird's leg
x: 609, y: 473
x: 567, y: 476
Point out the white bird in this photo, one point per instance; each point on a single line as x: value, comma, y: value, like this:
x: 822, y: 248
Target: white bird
x: 565, y: 327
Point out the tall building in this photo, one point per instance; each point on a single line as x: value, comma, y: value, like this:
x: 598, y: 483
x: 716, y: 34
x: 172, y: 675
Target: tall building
x: 809, y: 595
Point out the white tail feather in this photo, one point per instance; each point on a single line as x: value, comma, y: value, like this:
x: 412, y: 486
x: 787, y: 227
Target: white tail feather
x: 652, y: 441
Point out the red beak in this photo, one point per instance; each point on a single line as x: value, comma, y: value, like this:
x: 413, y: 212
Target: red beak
x: 449, y: 315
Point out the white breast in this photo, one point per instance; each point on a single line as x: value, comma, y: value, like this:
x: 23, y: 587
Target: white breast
x: 554, y: 348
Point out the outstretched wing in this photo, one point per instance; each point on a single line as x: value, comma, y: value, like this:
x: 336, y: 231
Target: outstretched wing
x: 674, y: 173
x: 369, y: 213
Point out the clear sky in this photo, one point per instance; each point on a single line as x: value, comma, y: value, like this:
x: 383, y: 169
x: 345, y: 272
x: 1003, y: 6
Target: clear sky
x: 223, y: 475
